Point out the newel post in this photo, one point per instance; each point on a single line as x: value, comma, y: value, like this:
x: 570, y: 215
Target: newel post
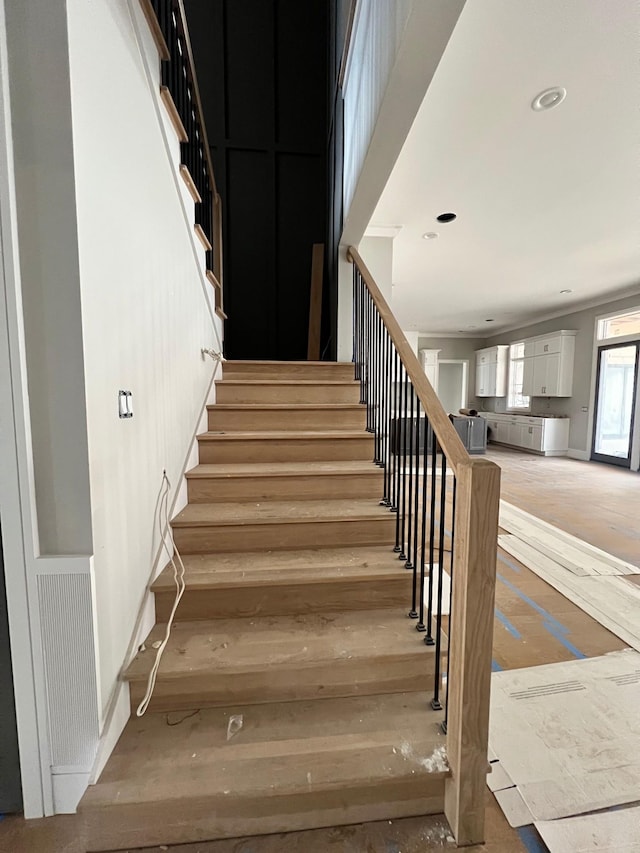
x: 470, y: 647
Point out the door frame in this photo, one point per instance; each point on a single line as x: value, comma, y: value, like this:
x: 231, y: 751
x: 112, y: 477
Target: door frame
x: 17, y: 490
x: 465, y: 376
x: 627, y: 462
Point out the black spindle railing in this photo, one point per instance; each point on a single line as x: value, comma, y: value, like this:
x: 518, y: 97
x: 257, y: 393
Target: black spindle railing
x: 418, y: 484
x: 178, y: 76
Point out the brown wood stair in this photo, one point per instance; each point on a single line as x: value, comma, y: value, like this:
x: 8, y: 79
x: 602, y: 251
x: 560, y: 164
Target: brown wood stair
x: 294, y: 616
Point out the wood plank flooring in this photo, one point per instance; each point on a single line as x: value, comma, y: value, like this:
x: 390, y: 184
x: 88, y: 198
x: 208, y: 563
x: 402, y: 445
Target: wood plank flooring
x: 595, y: 502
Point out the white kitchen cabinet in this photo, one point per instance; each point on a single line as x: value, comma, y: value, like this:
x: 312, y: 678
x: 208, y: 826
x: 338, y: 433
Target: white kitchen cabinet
x: 491, y: 371
x: 548, y: 436
x: 548, y: 365
x: 429, y: 361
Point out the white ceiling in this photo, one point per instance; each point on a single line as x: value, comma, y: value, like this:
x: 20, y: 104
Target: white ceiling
x: 545, y: 200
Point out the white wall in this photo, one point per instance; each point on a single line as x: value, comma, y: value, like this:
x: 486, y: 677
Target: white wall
x: 146, y: 314
x: 44, y: 175
x: 377, y: 253
x: 113, y: 296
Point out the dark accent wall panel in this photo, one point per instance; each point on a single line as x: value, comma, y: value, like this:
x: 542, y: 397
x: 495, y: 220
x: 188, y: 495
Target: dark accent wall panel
x: 298, y: 228
x: 262, y: 67
x: 250, y: 259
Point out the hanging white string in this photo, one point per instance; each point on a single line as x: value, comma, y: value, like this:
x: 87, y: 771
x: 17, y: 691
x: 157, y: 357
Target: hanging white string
x: 178, y: 576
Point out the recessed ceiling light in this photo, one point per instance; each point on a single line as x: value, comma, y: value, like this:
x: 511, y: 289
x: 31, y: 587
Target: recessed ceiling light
x: 566, y: 291
x: 549, y: 98
x: 446, y: 217
x: 430, y: 235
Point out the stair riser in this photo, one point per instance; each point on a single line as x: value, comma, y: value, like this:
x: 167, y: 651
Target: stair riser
x: 284, y: 535
x: 286, y: 450
x: 361, y: 677
x: 192, y: 821
x: 335, y: 372
x: 291, y: 393
x: 205, y: 490
x: 286, y: 600
x: 289, y: 419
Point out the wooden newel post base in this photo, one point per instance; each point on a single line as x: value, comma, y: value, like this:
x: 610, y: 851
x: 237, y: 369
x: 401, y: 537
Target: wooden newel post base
x: 470, y: 647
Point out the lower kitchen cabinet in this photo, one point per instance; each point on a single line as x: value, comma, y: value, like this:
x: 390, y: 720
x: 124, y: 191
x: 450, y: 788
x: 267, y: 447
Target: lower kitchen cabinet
x: 548, y: 436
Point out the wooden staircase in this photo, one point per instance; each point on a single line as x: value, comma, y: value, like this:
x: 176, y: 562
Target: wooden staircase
x: 294, y: 619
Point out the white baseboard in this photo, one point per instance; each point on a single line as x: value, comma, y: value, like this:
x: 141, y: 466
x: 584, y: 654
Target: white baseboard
x: 583, y: 455
x: 68, y: 789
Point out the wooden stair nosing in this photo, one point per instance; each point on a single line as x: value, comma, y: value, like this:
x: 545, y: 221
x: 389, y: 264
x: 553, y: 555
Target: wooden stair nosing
x: 260, y: 470
x: 283, y: 435
x: 236, y: 514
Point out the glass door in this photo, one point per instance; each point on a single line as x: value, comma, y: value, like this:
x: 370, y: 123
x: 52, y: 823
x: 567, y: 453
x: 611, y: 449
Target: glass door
x: 616, y: 383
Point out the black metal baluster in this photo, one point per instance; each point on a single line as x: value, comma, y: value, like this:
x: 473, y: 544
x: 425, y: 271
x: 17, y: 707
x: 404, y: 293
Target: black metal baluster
x: 380, y: 459
x: 376, y: 387
x: 435, y: 702
x: 432, y: 532
x: 400, y: 444
x: 354, y: 323
x: 420, y: 626
x: 403, y: 470
x: 415, y: 462
x: 396, y: 433
x: 409, y: 564
x: 416, y: 497
x: 453, y: 533
x: 386, y: 421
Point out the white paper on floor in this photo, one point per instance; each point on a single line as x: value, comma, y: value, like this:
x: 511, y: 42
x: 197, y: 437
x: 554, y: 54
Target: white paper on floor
x: 568, y: 734
x: 446, y: 592
x: 616, y: 831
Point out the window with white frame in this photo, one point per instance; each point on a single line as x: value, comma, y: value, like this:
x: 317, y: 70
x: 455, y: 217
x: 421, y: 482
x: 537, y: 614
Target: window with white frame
x: 516, y: 400
x: 619, y: 325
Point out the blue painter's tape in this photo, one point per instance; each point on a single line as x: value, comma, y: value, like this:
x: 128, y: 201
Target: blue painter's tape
x: 561, y: 638
x: 510, y: 563
x: 557, y: 630
x: 544, y: 613
x: 510, y: 628
x: 531, y: 840
x: 495, y: 666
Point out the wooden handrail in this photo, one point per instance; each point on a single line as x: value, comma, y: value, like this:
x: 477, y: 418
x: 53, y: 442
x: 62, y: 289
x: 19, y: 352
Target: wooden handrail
x: 448, y: 438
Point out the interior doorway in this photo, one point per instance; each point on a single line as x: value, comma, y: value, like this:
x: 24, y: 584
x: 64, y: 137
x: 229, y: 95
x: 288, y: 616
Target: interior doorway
x: 453, y: 380
x: 616, y: 400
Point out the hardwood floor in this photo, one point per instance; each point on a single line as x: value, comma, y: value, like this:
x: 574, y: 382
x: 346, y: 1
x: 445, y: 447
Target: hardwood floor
x: 596, y: 502
x: 534, y: 625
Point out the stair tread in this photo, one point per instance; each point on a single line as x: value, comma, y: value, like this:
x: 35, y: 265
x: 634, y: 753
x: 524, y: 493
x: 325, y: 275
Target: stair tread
x: 309, y: 746
x: 232, y: 380
x: 288, y: 435
x: 280, y: 567
x: 269, y: 512
x: 275, y: 407
x: 283, y: 469
x: 289, y: 642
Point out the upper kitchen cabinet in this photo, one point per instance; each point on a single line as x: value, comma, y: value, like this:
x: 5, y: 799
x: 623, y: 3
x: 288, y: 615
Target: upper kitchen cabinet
x: 548, y: 364
x: 491, y: 371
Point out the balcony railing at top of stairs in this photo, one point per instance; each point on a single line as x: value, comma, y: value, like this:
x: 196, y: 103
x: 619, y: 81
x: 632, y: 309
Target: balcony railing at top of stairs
x: 167, y: 19
x: 446, y: 510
